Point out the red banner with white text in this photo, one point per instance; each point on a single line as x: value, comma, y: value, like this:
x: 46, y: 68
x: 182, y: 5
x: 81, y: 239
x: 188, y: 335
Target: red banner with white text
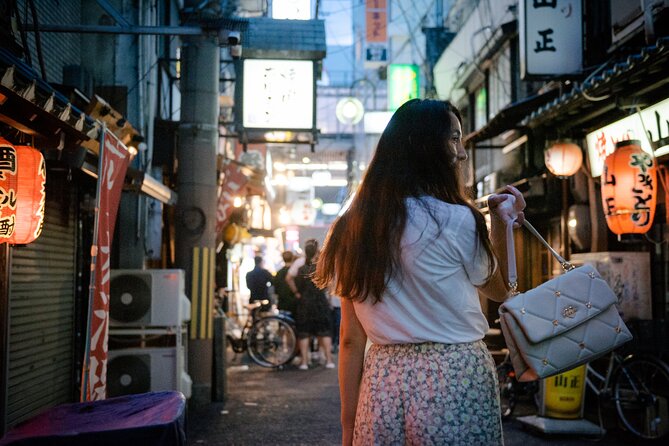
x: 234, y: 181
x: 114, y: 160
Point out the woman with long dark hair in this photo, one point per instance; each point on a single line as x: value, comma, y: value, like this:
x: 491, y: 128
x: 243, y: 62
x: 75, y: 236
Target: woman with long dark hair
x: 408, y: 257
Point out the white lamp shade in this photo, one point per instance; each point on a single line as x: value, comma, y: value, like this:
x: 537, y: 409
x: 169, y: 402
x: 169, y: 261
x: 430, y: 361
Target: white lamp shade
x: 563, y: 159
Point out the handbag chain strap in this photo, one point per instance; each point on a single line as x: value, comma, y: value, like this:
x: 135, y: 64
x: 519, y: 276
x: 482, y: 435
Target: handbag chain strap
x: 511, y: 254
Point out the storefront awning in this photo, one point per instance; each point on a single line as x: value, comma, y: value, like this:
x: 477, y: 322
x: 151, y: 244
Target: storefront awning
x: 606, y: 95
x: 508, y: 118
x: 32, y: 106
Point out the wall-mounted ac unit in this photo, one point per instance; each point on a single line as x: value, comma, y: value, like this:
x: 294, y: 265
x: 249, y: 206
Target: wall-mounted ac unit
x: 142, y: 298
x: 141, y: 370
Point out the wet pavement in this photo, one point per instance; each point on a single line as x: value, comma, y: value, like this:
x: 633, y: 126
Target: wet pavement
x: 295, y: 407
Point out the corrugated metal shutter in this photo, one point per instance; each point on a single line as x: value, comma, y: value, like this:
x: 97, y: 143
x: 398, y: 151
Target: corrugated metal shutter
x: 41, y: 315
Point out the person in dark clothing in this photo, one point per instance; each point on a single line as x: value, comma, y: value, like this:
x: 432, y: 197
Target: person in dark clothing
x: 258, y: 281
x: 313, y: 310
x: 286, y: 297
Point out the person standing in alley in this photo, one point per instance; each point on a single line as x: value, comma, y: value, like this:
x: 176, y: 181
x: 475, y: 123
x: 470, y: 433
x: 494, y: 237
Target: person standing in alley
x: 335, y: 303
x: 286, y: 300
x: 259, y: 281
x: 408, y: 258
x: 313, y: 310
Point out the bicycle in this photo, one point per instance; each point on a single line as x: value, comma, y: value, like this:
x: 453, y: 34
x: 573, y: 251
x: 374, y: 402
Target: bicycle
x: 638, y: 386
x: 269, y: 339
x: 510, y: 389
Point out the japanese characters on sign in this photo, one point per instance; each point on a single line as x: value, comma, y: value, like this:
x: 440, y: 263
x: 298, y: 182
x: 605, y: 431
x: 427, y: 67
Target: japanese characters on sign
x: 278, y: 94
x: 376, y: 36
x: 629, y: 189
x: 551, y: 37
x: 113, y: 164
x: 22, y: 193
x: 602, y: 142
x: 8, y: 189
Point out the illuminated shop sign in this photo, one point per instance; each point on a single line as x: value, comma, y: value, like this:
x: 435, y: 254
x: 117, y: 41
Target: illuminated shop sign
x: 403, y: 84
x: 551, y: 37
x: 278, y: 94
x: 602, y: 142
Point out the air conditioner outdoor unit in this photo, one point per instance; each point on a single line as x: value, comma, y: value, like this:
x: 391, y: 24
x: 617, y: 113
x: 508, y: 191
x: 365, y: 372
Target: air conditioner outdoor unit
x: 141, y: 370
x: 141, y: 298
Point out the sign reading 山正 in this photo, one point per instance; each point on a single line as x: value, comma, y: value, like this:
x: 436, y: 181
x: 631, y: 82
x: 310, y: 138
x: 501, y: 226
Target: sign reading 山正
x: 551, y: 38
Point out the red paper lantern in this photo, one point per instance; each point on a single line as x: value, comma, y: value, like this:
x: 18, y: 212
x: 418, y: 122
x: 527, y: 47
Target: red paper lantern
x: 22, y: 193
x: 629, y: 189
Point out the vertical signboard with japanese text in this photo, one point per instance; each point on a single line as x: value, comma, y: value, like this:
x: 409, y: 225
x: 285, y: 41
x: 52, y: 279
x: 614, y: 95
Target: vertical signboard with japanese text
x: 551, y: 38
x: 278, y: 94
x: 376, y: 36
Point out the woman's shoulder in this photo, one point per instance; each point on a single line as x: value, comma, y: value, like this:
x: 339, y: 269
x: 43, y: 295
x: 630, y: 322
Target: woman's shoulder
x: 453, y: 212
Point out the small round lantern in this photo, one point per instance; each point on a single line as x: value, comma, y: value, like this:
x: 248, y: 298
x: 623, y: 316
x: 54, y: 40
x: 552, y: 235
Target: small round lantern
x: 22, y: 193
x: 629, y: 189
x: 563, y: 158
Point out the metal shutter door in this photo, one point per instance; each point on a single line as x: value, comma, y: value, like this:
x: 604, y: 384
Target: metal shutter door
x: 41, y: 315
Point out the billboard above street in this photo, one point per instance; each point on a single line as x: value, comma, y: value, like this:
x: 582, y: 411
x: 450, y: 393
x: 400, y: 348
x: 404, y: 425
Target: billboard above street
x: 278, y: 94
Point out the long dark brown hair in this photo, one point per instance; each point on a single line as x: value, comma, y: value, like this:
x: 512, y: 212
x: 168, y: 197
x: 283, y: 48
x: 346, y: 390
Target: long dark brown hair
x: 362, y: 249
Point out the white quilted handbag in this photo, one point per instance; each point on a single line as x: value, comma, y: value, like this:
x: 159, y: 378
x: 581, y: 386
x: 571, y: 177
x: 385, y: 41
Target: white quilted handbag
x: 561, y: 324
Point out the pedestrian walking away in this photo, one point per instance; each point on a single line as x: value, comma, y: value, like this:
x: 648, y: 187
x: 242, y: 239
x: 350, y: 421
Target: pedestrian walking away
x: 259, y: 281
x: 408, y: 258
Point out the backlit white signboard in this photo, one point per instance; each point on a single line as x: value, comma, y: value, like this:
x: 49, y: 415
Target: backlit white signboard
x: 278, y: 94
x: 551, y: 37
x: 376, y: 121
x: 602, y: 142
x: 291, y: 9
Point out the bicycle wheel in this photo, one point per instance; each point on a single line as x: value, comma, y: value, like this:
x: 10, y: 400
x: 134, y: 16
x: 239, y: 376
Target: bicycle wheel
x: 507, y: 389
x: 271, y: 342
x: 641, y: 395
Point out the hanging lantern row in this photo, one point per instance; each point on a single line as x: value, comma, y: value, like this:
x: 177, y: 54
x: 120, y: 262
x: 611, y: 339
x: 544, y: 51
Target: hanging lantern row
x: 629, y: 189
x: 22, y: 193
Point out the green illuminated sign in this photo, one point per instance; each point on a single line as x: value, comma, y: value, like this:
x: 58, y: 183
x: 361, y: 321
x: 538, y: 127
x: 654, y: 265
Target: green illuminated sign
x: 402, y: 84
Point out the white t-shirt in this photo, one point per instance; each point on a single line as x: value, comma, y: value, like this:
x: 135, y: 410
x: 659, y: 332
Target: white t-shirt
x: 433, y: 298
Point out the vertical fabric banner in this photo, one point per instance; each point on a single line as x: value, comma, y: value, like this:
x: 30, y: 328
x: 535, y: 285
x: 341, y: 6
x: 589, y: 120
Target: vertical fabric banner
x: 114, y: 160
x: 233, y: 182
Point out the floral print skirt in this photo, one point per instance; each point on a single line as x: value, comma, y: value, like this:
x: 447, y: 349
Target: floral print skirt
x: 428, y: 394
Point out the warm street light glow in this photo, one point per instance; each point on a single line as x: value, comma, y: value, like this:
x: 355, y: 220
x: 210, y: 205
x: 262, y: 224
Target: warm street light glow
x: 237, y: 202
x: 629, y: 189
x: 563, y: 159
x: 349, y: 110
x: 306, y: 160
x: 279, y: 166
